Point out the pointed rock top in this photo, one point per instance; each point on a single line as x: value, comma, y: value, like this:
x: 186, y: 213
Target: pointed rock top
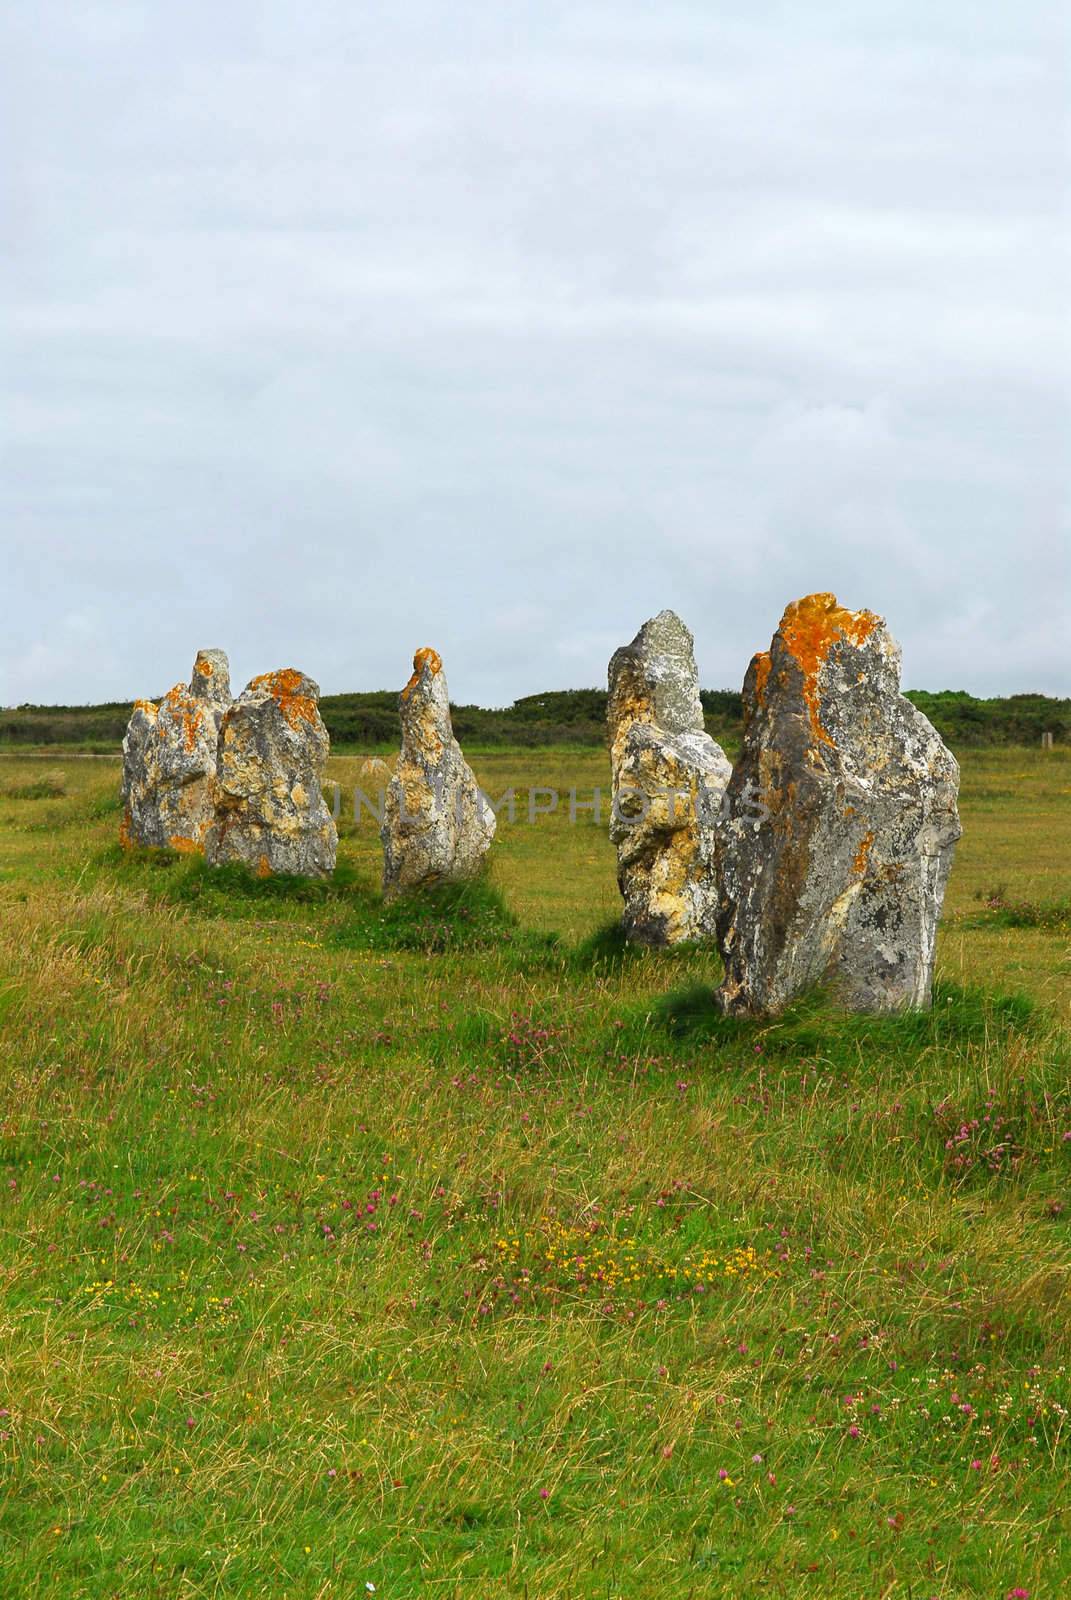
x: 427, y: 664
x: 211, y: 679
x: 654, y: 679
x: 807, y: 656
x: 424, y: 703
x: 293, y: 691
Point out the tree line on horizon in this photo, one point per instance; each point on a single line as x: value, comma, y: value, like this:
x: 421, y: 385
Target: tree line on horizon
x: 369, y: 721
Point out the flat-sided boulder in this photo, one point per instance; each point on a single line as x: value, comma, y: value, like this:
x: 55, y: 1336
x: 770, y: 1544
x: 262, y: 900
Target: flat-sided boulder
x: 669, y: 777
x: 437, y: 824
x: 169, y: 760
x: 842, y: 822
x: 270, y: 808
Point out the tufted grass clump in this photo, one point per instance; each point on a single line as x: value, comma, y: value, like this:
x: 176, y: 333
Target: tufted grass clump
x: 442, y: 918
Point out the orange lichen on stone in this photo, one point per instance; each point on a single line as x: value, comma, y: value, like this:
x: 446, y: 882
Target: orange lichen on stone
x: 285, y: 689
x: 631, y: 704
x: 761, y: 663
x: 263, y: 867
x: 203, y: 666
x: 185, y: 846
x: 191, y: 725
x: 810, y: 628
x: 186, y: 712
x: 124, y: 830
x: 862, y: 855
x: 150, y: 708
x: 425, y: 657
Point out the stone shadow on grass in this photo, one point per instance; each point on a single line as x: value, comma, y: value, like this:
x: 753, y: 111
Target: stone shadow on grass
x: 814, y: 1026
x: 609, y: 948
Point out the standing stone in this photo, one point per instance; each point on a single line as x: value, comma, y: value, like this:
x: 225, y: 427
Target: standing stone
x: 270, y: 808
x: 169, y: 760
x: 437, y: 823
x: 669, y: 777
x: 842, y: 823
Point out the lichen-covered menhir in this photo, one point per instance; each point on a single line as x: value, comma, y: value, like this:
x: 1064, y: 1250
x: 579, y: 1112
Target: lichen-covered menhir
x: 437, y: 823
x: 668, y: 779
x: 270, y: 811
x: 169, y: 760
x: 841, y: 826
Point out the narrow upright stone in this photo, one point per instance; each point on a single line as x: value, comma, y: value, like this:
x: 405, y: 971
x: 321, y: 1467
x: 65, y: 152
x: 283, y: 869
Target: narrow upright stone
x: 437, y: 824
x: 842, y: 822
x: 169, y: 760
x: 668, y: 778
x: 270, y: 808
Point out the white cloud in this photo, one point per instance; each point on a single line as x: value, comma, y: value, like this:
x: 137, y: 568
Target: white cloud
x: 332, y: 331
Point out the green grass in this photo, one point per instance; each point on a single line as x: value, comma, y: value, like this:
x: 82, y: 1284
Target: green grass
x: 457, y: 1249
x: 1001, y: 913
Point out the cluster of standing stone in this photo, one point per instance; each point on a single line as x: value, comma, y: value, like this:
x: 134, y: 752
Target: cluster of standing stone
x: 243, y: 780
x: 821, y: 858
x: 234, y: 780
x: 827, y: 859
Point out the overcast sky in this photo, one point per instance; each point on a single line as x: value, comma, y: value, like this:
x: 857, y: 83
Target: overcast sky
x: 332, y: 330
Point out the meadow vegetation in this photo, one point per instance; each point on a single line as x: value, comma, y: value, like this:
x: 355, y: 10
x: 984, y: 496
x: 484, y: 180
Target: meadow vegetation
x: 454, y: 1249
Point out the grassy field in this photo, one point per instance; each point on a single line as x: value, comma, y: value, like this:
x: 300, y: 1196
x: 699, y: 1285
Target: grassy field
x: 456, y: 1252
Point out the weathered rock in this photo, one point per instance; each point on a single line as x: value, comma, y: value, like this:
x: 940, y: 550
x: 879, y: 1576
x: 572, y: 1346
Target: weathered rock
x: 842, y: 822
x: 169, y: 760
x: 669, y: 777
x: 437, y: 824
x: 270, y: 808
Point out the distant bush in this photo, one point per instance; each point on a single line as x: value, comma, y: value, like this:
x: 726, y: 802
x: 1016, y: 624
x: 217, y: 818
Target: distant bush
x: 960, y: 719
x: 557, y: 717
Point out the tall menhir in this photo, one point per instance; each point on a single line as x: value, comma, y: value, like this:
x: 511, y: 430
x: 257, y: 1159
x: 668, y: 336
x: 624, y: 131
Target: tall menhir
x: 669, y: 777
x: 837, y: 877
